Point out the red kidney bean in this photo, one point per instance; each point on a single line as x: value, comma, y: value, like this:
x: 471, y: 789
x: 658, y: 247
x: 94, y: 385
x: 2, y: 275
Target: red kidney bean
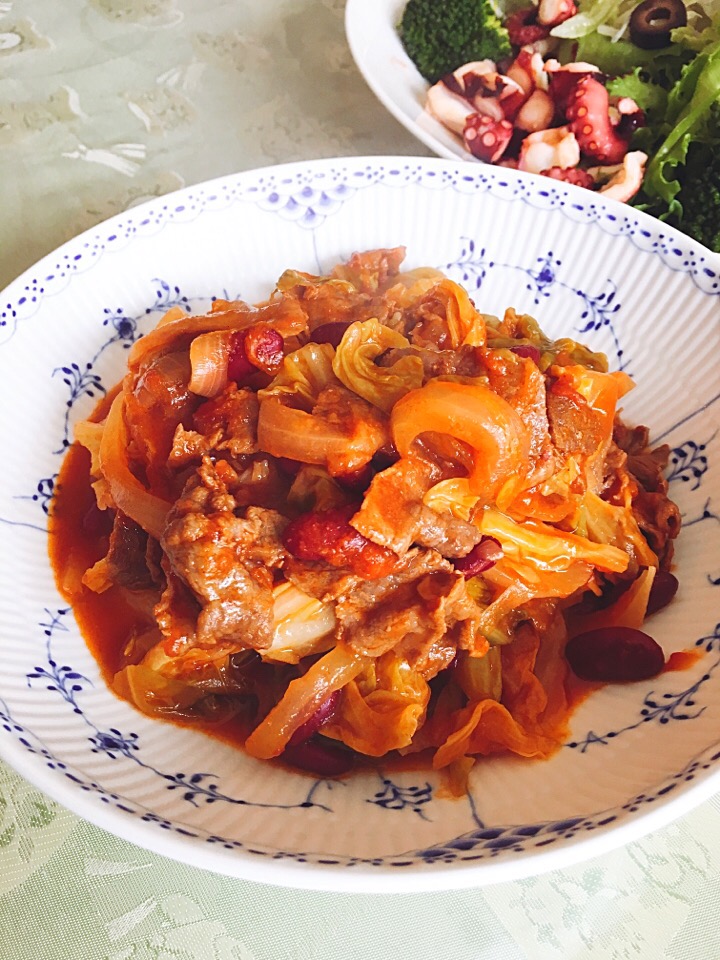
x: 320, y: 755
x: 257, y: 348
x: 313, y: 723
x: 614, y: 655
x: 663, y: 589
x: 482, y: 556
x: 331, y: 332
x: 527, y: 350
x: 358, y: 481
x: 264, y: 348
x: 239, y: 366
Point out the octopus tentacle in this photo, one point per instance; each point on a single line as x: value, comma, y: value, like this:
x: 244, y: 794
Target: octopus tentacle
x: 523, y: 27
x: 556, y: 147
x: 486, y: 138
x: 450, y: 108
x: 564, y: 78
x: 623, y: 180
x: 589, y: 119
x: 576, y: 175
x: 552, y: 12
x: 536, y: 113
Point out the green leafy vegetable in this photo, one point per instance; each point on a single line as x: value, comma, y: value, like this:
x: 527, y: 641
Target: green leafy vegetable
x: 441, y: 36
x: 589, y: 17
x: 620, y: 57
x: 703, y: 26
x: 691, y: 117
x: 650, y: 97
x: 682, y: 139
x: 699, y: 195
x: 677, y: 88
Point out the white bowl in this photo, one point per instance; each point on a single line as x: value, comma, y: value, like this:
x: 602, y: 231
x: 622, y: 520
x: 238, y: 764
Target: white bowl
x: 591, y: 269
x: 371, y: 30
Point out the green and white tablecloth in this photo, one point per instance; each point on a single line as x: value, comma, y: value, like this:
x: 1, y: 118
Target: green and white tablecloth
x: 104, y: 103
x: 69, y: 890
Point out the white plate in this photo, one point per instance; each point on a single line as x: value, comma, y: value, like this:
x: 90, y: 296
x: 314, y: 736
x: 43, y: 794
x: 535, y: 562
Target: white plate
x: 597, y: 271
x: 371, y: 29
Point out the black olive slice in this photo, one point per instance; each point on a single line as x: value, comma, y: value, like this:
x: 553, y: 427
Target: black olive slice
x: 652, y: 21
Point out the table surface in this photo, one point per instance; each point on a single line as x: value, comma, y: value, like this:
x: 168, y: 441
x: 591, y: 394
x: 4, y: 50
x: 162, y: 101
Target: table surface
x: 105, y: 103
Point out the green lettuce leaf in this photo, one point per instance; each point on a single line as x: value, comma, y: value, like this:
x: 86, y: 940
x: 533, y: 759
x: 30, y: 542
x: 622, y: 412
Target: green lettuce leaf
x: 703, y: 26
x: 650, y: 97
x: 620, y: 57
x: 588, y: 19
x: 689, y: 118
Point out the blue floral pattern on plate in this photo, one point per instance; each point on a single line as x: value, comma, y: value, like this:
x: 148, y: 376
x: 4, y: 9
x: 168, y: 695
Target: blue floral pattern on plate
x: 308, y: 197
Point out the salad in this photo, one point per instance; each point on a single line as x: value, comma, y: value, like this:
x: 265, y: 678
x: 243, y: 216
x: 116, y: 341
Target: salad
x: 612, y: 95
x: 363, y: 519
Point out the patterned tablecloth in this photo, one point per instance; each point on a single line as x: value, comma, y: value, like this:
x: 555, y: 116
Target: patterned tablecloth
x: 104, y: 103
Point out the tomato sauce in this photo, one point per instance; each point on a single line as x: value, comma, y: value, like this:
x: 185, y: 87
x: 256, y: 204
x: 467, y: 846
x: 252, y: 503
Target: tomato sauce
x: 682, y: 660
x: 79, y: 534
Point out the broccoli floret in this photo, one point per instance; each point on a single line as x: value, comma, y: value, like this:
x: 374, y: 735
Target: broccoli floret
x: 441, y: 35
x: 700, y: 196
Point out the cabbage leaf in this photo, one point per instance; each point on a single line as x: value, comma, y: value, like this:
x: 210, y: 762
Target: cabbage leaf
x: 304, y: 374
x: 354, y: 364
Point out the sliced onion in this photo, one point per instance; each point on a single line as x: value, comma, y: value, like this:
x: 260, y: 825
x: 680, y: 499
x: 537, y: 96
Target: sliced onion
x: 209, y: 355
x: 160, y: 339
x: 313, y: 724
x: 174, y: 313
x: 482, y: 557
x: 296, y: 435
x: 128, y: 494
x: 301, y: 699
